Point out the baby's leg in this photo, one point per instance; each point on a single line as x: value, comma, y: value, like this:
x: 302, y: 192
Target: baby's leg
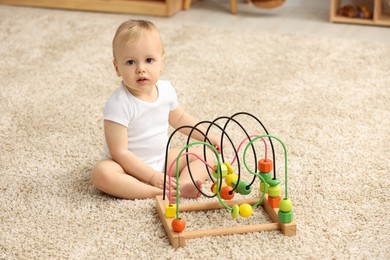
x: 198, y: 171
x: 109, y: 177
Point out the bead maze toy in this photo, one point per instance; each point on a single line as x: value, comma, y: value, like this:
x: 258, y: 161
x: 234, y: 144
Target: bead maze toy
x: 226, y: 182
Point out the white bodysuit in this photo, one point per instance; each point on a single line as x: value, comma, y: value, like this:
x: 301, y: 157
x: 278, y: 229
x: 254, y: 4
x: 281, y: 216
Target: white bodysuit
x: 146, y: 122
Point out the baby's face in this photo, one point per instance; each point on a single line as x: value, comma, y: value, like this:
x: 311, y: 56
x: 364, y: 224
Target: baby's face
x: 140, y: 62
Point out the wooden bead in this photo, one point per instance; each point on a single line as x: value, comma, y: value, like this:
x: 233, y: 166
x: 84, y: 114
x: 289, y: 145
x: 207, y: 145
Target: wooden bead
x: 244, y: 188
x: 274, y: 191
x: 265, y: 166
x: 285, y: 217
x: 229, y: 167
x: 178, y: 225
x: 266, y: 176
x: 262, y: 186
x: 224, y: 171
x: 285, y: 205
x: 273, y: 182
x: 214, y: 186
x: 245, y: 210
x: 226, y: 193
x: 170, y: 210
x: 231, y: 178
x: 235, y: 211
x: 273, y: 202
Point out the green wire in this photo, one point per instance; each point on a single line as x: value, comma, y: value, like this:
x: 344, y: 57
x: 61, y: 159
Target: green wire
x: 285, y: 159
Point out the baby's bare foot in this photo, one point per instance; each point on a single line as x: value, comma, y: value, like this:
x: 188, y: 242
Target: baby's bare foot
x: 188, y: 190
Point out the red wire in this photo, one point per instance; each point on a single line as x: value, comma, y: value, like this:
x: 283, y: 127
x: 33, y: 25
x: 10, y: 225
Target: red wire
x: 243, y: 141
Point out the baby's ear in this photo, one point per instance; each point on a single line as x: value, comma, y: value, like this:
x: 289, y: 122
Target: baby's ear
x: 115, y: 63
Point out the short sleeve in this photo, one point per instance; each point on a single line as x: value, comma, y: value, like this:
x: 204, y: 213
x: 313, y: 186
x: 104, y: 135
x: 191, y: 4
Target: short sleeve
x: 116, y: 108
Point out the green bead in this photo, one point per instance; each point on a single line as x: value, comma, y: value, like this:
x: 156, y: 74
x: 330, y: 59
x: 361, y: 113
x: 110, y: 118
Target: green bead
x: 266, y: 175
x: 244, y: 188
x: 235, y: 211
x: 274, y: 182
x: 285, y: 217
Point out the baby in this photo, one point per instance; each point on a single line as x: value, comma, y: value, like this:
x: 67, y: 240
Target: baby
x: 136, y: 120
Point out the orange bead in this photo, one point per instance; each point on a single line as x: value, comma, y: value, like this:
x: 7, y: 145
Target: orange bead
x: 265, y: 166
x: 178, y: 225
x: 226, y: 193
x: 273, y: 202
x: 214, y: 186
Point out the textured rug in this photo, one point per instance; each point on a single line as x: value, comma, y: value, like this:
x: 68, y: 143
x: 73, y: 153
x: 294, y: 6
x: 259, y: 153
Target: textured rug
x: 328, y: 100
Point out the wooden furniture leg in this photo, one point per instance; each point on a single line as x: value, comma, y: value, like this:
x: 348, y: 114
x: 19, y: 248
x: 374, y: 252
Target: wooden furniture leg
x: 233, y: 6
x: 186, y: 4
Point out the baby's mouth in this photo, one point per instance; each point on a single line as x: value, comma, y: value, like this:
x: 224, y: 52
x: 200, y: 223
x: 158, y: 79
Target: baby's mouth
x: 142, y: 80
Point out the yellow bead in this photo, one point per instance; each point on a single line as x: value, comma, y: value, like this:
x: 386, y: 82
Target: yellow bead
x: 285, y: 205
x: 262, y: 186
x: 224, y: 171
x: 274, y: 191
x: 229, y: 167
x: 170, y: 210
x: 245, y: 210
x: 231, y: 178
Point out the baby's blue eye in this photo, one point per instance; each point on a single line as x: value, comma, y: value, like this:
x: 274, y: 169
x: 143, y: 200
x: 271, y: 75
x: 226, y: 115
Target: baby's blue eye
x: 131, y: 62
x: 149, y: 60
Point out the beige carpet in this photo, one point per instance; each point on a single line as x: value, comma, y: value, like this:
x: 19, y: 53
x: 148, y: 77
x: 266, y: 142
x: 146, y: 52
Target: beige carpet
x: 328, y: 100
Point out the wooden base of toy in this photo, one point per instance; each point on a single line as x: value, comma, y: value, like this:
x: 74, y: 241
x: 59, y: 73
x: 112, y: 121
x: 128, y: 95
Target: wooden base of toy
x: 178, y: 239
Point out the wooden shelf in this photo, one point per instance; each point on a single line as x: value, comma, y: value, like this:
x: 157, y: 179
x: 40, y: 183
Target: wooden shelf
x: 147, y: 7
x: 379, y: 18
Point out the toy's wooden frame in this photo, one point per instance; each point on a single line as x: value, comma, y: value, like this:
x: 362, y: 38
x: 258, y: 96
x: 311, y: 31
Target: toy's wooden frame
x: 178, y: 239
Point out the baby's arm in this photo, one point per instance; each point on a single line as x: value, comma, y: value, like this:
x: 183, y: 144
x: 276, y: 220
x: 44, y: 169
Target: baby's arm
x: 116, y: 138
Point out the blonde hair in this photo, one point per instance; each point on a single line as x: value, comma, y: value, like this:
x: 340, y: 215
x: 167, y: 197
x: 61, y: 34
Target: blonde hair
x: 131, y: 31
